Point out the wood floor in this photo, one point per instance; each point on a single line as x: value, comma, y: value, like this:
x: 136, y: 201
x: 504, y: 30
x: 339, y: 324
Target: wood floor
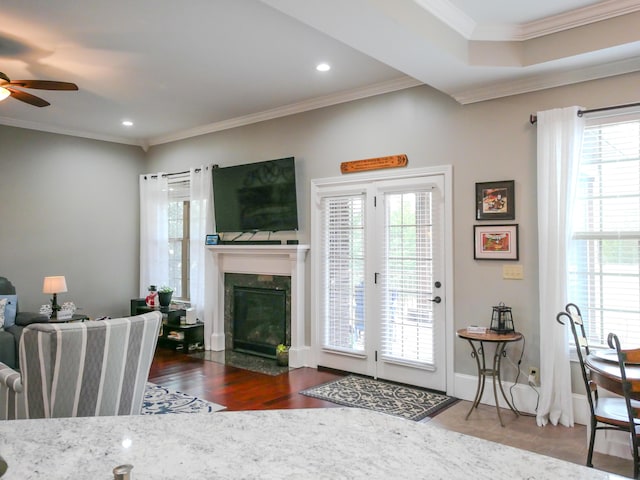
x: 235, y: 388
x: 239, y: 389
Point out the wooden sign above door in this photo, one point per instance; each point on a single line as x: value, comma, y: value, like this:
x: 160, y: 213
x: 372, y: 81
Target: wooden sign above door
x: 378, y: 163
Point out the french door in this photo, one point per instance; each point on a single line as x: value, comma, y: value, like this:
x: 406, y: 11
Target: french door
x: 380, y: 305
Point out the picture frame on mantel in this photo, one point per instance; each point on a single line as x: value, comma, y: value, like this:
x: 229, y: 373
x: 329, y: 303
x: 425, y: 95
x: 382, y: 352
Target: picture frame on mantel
x: 212, y: 239
x: 496, y: 200
x: 495, y: 242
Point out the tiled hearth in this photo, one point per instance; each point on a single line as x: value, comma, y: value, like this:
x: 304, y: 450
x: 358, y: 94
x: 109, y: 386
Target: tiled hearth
x: 260, y: 260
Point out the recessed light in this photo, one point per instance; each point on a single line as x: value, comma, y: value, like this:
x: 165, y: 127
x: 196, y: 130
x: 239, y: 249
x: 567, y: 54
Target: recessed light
x: 323, y: 67
x: 127, y: 123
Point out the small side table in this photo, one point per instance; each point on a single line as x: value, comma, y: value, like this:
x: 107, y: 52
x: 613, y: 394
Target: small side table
x: 76, y: 317
x: 501, y: 340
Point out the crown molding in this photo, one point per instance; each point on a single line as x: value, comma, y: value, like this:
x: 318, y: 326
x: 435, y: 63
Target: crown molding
x: 545, y: 81
x: 458, y: 20
x: 577, y: 18
x: 42, y: 127
x: 291, y: 109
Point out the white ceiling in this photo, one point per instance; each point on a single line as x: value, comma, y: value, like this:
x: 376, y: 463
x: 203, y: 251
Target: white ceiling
x: 178, y: 69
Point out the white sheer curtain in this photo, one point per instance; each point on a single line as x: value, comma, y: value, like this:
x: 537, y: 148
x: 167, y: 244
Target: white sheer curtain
x: 201, y: 223
x: 560, y: 134
x: 154, y: 231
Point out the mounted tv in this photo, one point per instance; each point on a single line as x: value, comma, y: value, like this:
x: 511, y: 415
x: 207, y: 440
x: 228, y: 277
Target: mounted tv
x: 256, y: 197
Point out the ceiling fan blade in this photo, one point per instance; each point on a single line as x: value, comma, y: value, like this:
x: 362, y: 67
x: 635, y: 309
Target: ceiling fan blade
x: 27, y: 97
x: 44, y: 84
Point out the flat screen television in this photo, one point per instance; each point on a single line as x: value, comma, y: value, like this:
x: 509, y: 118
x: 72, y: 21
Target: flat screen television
x: 256, y: 197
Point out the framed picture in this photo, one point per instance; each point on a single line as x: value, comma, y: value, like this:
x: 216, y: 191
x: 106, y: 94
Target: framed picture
x: 213, y: 239
x: 495, y: 242
x: 496, y: 200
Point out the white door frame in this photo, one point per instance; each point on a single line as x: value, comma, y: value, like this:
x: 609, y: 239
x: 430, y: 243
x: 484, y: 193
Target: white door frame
x: 355, y: 178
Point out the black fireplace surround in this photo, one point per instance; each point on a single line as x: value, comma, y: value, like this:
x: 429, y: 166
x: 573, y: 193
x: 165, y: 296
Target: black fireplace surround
x: 257, y: 313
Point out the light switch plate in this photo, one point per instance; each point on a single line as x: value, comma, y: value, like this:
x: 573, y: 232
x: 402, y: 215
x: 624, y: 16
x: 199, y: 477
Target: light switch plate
x: 512, y: 272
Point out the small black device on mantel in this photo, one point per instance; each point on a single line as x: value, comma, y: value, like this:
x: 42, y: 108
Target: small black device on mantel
x: 501, y: 319
x: 256, y: 197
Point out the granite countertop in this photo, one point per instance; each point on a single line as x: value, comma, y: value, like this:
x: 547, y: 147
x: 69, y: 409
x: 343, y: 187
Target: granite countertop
x: 334, y: 443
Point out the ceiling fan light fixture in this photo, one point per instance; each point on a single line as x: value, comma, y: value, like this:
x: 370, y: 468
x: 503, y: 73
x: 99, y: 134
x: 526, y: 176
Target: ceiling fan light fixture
x: 4, y: 93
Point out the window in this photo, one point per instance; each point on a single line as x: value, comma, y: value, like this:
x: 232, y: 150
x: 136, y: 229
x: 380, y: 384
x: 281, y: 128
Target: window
x: 604, y: 262
x: 178, y: 215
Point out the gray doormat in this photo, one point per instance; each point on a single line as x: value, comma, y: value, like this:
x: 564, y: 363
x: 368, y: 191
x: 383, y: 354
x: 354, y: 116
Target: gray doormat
x: 411, y: 403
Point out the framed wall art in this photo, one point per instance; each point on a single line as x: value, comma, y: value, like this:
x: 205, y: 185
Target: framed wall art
x: 496, y: 200
x: 495, y: 242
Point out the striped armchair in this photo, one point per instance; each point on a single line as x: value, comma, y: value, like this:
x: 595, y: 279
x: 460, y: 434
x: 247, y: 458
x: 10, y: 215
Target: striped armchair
x: 81, y: 369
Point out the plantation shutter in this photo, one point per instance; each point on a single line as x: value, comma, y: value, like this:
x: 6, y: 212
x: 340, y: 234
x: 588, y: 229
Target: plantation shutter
x: 343, y: 253
x: 407, y: 278
x: 604, y: 267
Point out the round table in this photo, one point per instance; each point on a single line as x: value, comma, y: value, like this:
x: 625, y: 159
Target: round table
x: 604, y: 370
x: 501, y: 340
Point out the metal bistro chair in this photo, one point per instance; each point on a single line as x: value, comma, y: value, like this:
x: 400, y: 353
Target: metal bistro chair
x: 631, y: 388
x: 607, y: 413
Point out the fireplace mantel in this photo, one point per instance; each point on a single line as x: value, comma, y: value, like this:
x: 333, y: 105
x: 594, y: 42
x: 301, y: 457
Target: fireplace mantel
x: 286, y: 260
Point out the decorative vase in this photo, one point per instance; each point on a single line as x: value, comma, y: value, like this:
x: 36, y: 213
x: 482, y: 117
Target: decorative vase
x: 164, y: 298
x: 282, y: 358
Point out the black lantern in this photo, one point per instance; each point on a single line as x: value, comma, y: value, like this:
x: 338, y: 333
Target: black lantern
x: 501, y: 319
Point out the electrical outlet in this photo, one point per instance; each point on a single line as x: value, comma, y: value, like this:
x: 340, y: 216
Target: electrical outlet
x: 533, y: 376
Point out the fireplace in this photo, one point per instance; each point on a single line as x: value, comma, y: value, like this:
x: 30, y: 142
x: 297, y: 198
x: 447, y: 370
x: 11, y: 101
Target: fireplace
x: 257, y: 312
x: 265, y: 263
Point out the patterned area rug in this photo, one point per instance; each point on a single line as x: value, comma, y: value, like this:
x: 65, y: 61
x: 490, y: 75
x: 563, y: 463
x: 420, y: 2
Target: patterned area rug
x: 401, y: 401
x: 158, y: 400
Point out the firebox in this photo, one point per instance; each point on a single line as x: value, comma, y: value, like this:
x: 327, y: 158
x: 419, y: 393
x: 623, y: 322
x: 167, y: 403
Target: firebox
x: 257, y: 313
x: 259, y: 320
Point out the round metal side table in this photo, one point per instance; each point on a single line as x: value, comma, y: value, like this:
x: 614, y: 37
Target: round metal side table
x: 501, y: 340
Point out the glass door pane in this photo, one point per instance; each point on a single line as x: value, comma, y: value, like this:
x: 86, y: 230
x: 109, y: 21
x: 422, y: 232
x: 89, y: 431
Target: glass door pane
x: 407, y: 279
x: 343, y: 251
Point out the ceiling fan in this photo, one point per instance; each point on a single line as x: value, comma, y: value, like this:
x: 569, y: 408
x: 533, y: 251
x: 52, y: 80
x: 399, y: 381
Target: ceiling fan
x: 7, y: 88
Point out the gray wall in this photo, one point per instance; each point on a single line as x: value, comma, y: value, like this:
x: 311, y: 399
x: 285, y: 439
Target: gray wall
x: 486, y: 141
x: 69, y: 206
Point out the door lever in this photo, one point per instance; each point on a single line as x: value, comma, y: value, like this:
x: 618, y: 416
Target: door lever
x: 436, y: 300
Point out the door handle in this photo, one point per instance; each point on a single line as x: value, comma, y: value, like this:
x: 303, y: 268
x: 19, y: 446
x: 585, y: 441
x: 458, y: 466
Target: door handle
x: 436, y: 300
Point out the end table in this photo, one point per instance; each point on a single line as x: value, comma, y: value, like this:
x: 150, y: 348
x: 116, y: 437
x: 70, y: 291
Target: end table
x: 501, y: 340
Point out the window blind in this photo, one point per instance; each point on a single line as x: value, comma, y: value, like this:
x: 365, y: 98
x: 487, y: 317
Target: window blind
x: 178, y: 215
x: 343, y: 253
x: 604, y: 266
x: 407, y: 278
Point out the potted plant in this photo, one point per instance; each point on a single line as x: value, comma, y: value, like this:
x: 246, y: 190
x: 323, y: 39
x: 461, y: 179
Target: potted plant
x: 164, y: 295
x: 282, y: 355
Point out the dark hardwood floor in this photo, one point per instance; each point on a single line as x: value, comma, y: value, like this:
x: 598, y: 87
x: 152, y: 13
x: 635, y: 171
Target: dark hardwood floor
x: 235, y: 388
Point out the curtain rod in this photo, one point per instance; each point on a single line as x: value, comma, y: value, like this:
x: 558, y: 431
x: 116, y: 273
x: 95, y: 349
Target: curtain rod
x: 179, y: 173
x: 533, y: 118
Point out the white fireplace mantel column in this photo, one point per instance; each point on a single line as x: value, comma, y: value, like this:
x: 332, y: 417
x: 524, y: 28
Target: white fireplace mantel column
x: 284, y: 260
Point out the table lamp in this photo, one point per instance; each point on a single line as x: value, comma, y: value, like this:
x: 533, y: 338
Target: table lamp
x: 54, y: 285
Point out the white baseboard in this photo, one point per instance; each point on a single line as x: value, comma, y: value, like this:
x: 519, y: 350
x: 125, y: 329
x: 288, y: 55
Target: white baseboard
x: 525, y: 400
x: 217, y: 342
x: 299, y: 357
x: 524, y: 397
